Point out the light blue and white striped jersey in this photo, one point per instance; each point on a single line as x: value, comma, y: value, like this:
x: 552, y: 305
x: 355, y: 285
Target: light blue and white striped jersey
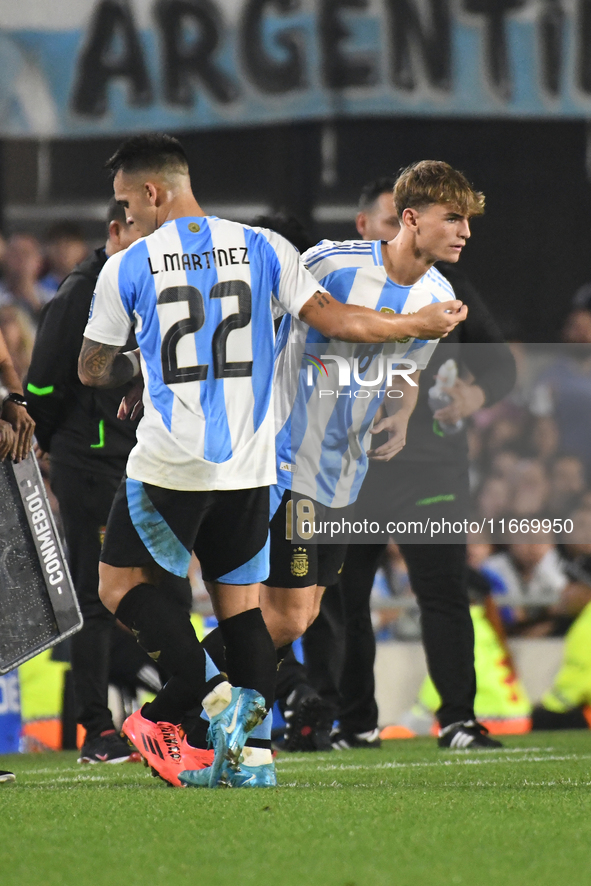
x: 198, y: 292
x: 322, y: 439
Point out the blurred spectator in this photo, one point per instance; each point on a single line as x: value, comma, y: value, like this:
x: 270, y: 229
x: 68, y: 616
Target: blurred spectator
x: 504, y: 464
x: 567, y: 483
x: 564, y: 393
x: 494, y: 498
x: 545, y: 437
x: 395, y: 612
x: 19, y: 334
x: 503, y: 433
x: 567, y: 704
x: 2, y: 252
x: 577, y: 326
x: 532, y: 579
x: 531, y: 456
x: 22, y: 265
x: 65, y: 247
x: 578, y: 542
x: 530, y: 488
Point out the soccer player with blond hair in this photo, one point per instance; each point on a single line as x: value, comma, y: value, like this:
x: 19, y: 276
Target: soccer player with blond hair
x: 323, y: 467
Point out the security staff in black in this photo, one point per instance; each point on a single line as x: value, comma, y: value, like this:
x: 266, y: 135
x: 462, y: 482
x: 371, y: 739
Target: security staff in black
x: 88, y: 446
x: 427, y: 479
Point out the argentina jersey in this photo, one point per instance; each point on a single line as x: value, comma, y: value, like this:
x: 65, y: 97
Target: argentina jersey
x: 198, y: 294
x: 322, y: 416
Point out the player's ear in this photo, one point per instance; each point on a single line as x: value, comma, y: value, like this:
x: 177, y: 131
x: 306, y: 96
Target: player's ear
x: 361, y: 223
x: 151, y: 192
x: 410, y: 219
x: 114, y: 231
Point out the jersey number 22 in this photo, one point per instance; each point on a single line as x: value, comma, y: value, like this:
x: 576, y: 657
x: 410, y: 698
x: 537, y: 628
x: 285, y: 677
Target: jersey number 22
x: 172, y: 373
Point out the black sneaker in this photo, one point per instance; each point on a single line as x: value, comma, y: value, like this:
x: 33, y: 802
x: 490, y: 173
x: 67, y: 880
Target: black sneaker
x: 467, y: 736
x: 308, y: 721
x: 108, y: 747
x: 6, y: 776
x: 343, y: 741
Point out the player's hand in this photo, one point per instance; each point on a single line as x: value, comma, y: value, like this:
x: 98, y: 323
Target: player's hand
x: 438, y: 319
x: 131, y: 405
x: 6, y: 439
x: 396, y: 426
x: 466, y: 399
x: 23, y: 426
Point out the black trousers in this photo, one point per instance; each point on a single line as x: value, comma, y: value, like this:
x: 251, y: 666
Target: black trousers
x: 85, y: 500
x: 438, y: 577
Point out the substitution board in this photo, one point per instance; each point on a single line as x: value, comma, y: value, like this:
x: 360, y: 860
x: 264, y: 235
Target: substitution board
x: 38, y: 605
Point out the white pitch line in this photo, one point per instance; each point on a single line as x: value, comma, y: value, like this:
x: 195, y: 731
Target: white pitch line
x: 466, y: 762
x: 500, y: 751
x: 47, y: 771
x: 76, y: 779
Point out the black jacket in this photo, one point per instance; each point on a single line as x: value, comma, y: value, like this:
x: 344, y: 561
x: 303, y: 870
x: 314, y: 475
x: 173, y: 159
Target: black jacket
x: 77, y: 424
x: 476, y: 345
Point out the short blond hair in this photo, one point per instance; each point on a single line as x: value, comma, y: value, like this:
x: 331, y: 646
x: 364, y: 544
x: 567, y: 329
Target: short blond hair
x: 434, y: 181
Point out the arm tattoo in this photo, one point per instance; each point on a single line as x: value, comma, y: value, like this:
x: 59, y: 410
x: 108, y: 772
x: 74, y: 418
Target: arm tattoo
x: 96, y: 361
x: 102, y: 366
x: 320, y: 298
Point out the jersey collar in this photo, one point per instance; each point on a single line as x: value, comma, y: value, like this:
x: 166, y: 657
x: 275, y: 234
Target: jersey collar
x: 376, y: 248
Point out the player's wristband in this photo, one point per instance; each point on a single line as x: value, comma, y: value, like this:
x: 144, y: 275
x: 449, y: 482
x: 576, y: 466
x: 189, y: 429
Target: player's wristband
x: 132, y: 357
x: 16, y: 398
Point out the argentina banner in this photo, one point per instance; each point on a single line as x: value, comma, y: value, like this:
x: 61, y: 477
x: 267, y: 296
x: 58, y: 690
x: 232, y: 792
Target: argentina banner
x: 99, y: 67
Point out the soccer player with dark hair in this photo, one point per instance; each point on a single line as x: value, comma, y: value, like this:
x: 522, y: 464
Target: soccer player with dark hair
x: 198, y: 291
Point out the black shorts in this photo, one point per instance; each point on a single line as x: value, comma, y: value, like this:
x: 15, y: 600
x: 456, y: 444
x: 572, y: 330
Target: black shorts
x: 227, y: 530
x: 298, y: 562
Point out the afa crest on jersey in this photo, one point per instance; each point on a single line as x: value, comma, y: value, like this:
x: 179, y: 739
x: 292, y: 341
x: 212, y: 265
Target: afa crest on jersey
x: 299, y: 562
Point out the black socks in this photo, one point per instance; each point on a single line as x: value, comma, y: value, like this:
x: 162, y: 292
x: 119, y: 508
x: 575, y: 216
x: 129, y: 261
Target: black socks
x: 251, y: 660
x: 213, y: 644
x: 164, y: 630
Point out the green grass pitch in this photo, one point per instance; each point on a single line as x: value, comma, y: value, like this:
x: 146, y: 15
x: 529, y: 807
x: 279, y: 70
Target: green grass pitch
x: 406, y: 815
